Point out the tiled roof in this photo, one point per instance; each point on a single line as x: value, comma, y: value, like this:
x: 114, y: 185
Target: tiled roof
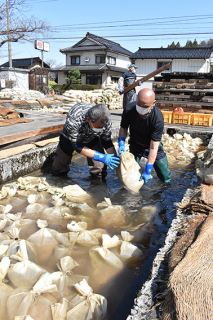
x: 99, y: 41
x: 173, y: 53
x: 100, y: 67
x: 25, y: 62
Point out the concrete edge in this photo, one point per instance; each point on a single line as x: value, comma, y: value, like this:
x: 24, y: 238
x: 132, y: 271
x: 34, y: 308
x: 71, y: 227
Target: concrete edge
x: 24, y: 163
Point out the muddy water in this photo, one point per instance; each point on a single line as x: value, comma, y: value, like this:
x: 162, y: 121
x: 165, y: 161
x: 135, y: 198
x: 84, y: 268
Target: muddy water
x: 153, y: 208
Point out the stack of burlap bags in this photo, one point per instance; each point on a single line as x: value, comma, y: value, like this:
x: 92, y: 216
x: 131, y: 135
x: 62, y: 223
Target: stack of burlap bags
x: 109, y: 96
x: 44, y: 234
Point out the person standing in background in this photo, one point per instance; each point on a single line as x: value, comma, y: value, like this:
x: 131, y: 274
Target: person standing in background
x: 124, y: 81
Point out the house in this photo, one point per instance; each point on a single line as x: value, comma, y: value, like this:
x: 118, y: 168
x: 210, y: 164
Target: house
x: 196, y: 59
x: 26, y: 63
x: 99, y: 60
x: 26, y: 73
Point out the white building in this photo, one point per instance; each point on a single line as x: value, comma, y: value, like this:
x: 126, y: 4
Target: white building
x: 99, y: 60
x: 197, y: 59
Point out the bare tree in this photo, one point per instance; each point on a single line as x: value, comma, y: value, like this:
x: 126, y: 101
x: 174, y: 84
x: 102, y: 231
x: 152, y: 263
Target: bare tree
x: 22, y: 27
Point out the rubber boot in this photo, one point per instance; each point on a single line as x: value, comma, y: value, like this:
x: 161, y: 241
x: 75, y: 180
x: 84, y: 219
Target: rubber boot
x: 162, y: 170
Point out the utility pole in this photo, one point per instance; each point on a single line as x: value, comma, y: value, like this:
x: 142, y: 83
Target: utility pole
x: 8, y: 35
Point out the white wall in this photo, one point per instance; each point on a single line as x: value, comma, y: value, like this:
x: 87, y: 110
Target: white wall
x: 83, y: 55
x: 21, y: 77
x: 61, y: 77
x: 147, y: 66
x: 121, y: 60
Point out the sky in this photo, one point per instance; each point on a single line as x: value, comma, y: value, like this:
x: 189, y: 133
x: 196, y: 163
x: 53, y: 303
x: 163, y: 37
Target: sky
x: 145, y: 24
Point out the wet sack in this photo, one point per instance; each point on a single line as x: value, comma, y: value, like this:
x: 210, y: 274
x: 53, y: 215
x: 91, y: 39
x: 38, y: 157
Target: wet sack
x: 129, y: 172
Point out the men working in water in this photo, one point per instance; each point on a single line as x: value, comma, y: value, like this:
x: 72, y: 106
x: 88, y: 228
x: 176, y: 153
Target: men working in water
x: 146, y: 125
x: 128, y: 78
x: 87, y: 130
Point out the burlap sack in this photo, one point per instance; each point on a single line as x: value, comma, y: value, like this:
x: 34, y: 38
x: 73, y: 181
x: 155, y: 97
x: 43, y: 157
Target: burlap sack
x: 85, y: 237
x: 93, y: 307
x: 35, y: 301
x: 5, y: 290
x: 24, y: 272
x: 98, y: 253
x: 129, y: 172
x: 59, y: 310
x: 127, y: 249
x: 65, y: 279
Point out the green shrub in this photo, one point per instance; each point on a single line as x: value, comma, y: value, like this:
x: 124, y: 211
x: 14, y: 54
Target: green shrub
x: 61, y: 88
x: 51, y: 84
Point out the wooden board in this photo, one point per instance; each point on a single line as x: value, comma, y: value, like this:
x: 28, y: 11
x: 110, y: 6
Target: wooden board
x: 29, y: 134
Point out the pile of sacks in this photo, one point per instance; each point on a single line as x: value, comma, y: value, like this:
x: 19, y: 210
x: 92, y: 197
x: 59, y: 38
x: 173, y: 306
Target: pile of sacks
x: 180, y: 149
x: 109, y: 96
x: 38, y: 261
x: 20, y: 94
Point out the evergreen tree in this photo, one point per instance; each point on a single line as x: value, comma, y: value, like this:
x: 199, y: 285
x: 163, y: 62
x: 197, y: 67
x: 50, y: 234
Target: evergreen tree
x: 73, y: 77
x: 172, y: 45
x: 189, y: 44
x: 195, y: 43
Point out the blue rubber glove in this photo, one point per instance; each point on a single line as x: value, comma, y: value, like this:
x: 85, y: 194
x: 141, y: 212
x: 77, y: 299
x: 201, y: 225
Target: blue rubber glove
x: 146, y: 175
x: 109, y: 159
x: 121, y: 89
x: 121, y: 143
x: 140, y: 83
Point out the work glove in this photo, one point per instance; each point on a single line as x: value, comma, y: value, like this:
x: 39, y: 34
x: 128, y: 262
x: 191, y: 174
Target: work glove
x: 121, y: 143
x: 121, y: 89
x: 109, y: 159
x: 140, y: 83
x: 146, y: 175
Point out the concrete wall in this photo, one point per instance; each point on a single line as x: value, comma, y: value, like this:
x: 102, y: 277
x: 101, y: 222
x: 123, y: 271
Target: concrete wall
x: 20, y: 76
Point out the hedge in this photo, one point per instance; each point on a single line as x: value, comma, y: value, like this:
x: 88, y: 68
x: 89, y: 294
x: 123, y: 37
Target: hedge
x: 61, y: 88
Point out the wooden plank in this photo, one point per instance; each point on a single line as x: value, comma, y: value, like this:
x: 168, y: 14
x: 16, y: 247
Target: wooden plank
x: 30, y: 140
x: 29, y: 134
x: 179, y: 103
x: 183, y: 90
x: 172, y: 97
x: 209, y: 84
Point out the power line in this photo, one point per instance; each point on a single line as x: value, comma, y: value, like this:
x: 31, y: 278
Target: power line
x: 132, y: 25
x: 135, y: 35
x: 151, y: 19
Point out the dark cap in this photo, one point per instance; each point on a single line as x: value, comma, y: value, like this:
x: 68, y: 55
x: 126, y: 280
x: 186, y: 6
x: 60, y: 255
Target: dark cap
x: 133, y: 66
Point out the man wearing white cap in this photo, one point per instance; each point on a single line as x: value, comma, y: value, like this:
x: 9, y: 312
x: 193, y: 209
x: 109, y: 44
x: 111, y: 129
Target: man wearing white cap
x: 146, y: 124
x: 128, y: 78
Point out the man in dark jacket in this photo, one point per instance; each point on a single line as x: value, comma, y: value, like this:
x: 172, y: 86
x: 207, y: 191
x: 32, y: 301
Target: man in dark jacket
x: 128, y: 78
x: 146, y: 125
x: 87, y: 130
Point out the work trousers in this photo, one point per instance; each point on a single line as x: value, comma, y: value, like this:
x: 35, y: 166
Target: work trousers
x: 161, y: 162
x: 64, y: 153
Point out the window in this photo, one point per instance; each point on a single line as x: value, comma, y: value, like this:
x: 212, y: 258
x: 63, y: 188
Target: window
x: 111, y: 60
x: 114, y: 79
x: 100, y: 59
x: 94, y: 78
x: 163, y: 63
x: 75, y: 60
